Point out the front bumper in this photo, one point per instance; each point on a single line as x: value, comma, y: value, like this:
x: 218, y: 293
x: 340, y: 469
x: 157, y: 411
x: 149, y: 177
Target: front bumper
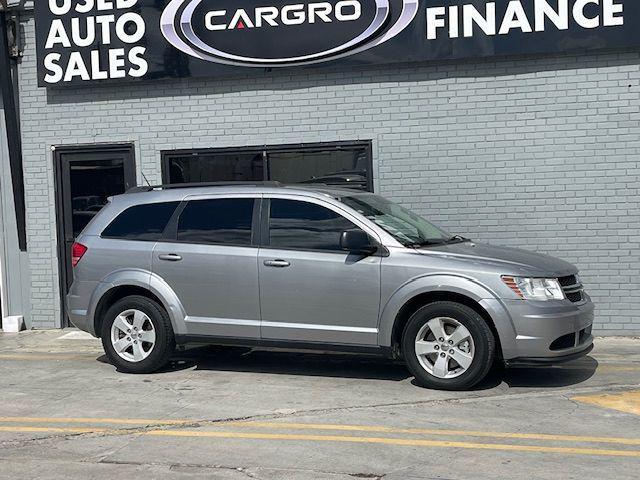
x: 545, y: 361
x: 550, y: 332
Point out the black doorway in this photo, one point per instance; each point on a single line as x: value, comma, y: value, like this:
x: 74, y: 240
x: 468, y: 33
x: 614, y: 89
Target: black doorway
x: 85, y: 178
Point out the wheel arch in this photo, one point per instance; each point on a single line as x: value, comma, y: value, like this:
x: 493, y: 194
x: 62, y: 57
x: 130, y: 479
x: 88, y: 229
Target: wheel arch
x: 425, y: 290
x: 135, y: 282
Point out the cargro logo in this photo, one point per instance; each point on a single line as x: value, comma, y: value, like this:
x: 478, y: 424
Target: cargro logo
x: 276, y: 33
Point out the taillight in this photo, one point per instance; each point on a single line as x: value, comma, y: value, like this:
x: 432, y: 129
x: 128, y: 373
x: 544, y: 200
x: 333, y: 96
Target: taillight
x: 77, y: 252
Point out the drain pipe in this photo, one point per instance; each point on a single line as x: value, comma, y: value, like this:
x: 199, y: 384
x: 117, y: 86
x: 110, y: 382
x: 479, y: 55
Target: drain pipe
x: 13, y: 127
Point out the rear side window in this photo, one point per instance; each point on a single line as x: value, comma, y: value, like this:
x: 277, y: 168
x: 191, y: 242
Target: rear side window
x: 307, y: 226
x: 142, y: 222
x: 224, y: 221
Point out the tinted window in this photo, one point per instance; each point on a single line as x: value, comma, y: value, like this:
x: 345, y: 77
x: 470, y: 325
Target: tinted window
x: 142, y: 222
x: 216, y: 168
x: 295, y: 224
x: 341, y: 167
x: 224, y: 221
x: 341, y: 164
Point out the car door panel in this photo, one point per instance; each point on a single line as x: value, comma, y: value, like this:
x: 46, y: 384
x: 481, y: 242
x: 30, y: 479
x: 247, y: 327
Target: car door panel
x: 320, y: 297
x: 217, y: 285
x: 210, y: 260
x: 311, y: 295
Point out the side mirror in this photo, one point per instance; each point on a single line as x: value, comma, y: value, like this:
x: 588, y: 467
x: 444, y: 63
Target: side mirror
x: 357, y: 241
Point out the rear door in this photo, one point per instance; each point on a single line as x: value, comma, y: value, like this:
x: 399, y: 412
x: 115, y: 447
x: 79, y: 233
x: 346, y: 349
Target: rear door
x: 311, y: 290
x: 210, y: 261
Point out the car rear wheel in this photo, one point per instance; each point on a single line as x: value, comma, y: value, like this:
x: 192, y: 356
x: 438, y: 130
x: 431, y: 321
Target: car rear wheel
x: 448, y: 346
x: 137, y: 335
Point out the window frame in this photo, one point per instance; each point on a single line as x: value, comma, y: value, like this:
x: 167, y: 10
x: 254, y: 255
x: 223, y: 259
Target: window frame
x: 170, y: 234
x: 167, y: 155
x: 265, y: 229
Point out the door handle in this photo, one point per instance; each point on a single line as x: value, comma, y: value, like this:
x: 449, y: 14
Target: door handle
x: 277, y: 263
x: 170, y: 257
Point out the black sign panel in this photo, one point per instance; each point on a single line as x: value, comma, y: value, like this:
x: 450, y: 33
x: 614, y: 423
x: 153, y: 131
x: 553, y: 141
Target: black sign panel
x: 80, y: 41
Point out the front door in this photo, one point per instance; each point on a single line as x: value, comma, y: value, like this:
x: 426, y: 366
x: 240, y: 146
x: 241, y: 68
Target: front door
x: 311, y: 290
x: 211, y: 263
x: 85, y: 178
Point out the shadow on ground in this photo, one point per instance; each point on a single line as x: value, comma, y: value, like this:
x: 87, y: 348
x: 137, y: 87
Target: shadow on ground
x: 238, y: 359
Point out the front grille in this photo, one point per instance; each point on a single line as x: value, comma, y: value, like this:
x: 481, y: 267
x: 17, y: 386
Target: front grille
x: 584, y: 334
x: 574, y: 296
x: 567, y: 281
x: 572, y: 288
x: 563, y: 342
x: 571, y: 340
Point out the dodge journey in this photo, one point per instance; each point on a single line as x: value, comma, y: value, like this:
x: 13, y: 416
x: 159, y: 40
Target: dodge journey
x: 315, y: 267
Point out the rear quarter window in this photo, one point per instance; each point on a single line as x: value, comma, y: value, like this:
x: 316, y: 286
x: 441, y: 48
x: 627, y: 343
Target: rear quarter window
x: 141, y: 222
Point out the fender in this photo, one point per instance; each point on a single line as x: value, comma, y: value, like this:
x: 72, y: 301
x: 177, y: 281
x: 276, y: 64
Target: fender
x: 441, y: 282
x: 148, y: 281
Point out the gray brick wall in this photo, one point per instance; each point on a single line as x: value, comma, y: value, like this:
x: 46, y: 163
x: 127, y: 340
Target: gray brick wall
x: 540, y: 153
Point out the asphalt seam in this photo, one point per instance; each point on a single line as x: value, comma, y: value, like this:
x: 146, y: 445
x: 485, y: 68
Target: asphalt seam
x: 172, y: 465
x: 241, y: 469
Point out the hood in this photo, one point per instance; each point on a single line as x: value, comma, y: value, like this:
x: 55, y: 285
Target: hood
x: 510, y: 261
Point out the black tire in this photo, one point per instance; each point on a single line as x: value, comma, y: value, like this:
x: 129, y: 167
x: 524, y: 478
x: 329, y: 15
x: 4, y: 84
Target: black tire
x: 165, y: 339
x: 481, y: 334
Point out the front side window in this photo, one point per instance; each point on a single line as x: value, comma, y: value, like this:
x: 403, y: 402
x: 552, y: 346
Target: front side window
x: 405, y: 226
x: 142, y: 222
x: 225, y: 221
x: 306, y: 226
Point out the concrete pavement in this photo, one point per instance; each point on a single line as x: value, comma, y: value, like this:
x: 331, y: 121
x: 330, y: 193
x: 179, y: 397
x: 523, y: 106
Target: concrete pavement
x: 236, y: 413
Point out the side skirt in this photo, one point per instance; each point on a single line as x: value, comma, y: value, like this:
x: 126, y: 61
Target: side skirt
x: 184, y: 340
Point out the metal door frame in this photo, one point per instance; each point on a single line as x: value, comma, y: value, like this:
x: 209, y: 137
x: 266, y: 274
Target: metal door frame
x: 62, y: 186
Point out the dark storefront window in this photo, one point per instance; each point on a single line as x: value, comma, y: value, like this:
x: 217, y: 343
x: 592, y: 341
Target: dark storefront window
x: 91, y: 182
x: 336, y: 164
x: 212, y: 167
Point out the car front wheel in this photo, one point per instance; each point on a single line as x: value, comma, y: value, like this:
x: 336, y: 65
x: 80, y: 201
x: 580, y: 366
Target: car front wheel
x: 448, y: 346
x: 137, y: 335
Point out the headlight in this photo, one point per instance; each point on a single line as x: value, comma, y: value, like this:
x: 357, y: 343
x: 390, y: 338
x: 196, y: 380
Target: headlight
x: 535, y: 288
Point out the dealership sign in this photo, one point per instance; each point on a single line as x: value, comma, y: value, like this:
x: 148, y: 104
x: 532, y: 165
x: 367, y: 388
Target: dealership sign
x: 80, y: 41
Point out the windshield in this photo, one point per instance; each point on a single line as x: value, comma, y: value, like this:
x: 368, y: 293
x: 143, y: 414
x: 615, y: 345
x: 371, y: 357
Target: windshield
x: 407, y: 227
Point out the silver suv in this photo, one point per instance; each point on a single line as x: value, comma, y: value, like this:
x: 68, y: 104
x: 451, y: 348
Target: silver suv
x: 318, y: 268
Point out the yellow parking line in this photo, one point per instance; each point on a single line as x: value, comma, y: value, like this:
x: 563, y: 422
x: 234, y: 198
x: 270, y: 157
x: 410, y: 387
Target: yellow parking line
x: 394, y: 441
x: 617, y: 368
x: 333, y: 438
x: 457, y: 433
x: 44, y: 356
x: 29, y: 429
x: 628, y: 402
x: 114, y: 421
x: 335, y: 427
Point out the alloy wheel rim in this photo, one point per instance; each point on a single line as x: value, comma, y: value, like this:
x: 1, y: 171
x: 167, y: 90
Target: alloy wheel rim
x: 444, y: 347
x: 133, y: 335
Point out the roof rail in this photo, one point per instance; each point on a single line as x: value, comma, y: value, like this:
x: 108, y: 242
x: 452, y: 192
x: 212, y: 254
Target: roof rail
x: 173, y: 186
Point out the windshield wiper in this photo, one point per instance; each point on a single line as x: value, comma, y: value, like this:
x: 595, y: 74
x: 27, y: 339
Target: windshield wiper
x: 437, y: 241
x: 426, y: 242
x: 458, y: 239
